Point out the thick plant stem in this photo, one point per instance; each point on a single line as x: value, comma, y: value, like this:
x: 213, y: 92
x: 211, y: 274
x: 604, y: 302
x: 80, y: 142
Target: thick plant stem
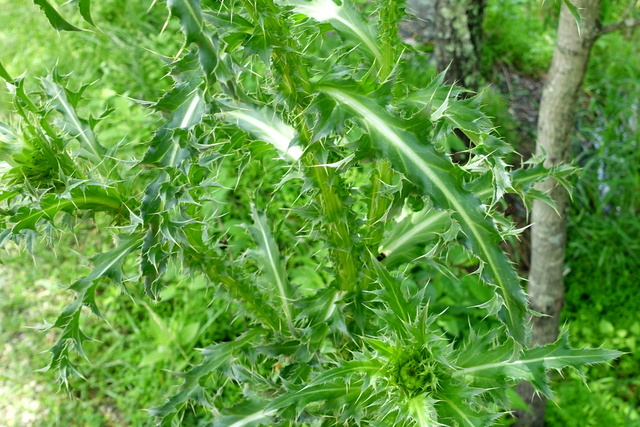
x: 378, y: 204
x: 295, y: 85
x: 389, y: 40
x: 336, y: 227
x: 548, y: 234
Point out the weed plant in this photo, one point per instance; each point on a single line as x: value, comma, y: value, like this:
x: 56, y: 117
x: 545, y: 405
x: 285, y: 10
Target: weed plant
x: 310, y: 189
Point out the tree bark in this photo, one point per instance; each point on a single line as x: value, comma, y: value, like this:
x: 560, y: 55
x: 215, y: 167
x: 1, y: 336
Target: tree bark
x: 455, y: 29
x: 548, y: 232
x: 458, y: 40
x: 418, y: 27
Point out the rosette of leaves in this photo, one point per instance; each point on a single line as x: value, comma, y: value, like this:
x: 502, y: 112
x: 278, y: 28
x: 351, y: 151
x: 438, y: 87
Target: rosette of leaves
x: 291, y: 118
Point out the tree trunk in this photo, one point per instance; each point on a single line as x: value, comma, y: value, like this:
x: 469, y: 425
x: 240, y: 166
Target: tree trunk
x: 458, y: 40
x: 418, y: 27
x: 455, y: 29
x: 548, y: 233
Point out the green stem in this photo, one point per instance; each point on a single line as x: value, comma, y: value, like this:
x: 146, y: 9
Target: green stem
x: 336, y: 227
x: 201, y: 259
x: 296, y: 86
x: 378, y: 204
x: 389, y: 40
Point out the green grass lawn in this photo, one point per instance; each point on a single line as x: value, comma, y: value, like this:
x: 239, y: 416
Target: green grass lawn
x: 135, y: 347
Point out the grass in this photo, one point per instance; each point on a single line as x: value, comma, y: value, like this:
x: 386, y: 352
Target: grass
x: 137, y: 343
x: 526, y: 43
x: 120, y: 51
x: 134, y: 345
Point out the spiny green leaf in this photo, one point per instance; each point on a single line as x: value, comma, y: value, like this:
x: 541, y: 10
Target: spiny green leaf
x: 190, y: 16
x: 93, y: 197
x: 254, y: 302
x: 437, y: 177
x: 321, y: 306
x: 521, y: 182
x: 456, y: 406
x: 22, y: 101
x: 481, y: 350
x: 265, y: 125
x: 413, y: 232
x: 55, y: 19
x: 165, y: 150
x: 186, y: 106
x: 9, y: 143
x: 383, y: 348
x: 533, y: 364
x: 422, y: 411
x: 85, y: 10
x: 109, y: 264
x: 190, y: 113
x: 394, y: 299
x: 4, y: 74
x: 73, y: 124
x: 345, y: 18
x: 271, y: 262
x: 215, y: 357
x: 154, y: 260
x: 575, y: 12
x: 245, y: 414
x: 164, y: 228
x: 179, y: 93
x: 72, y: 335
x: 303, y: 397
x: 523, y: 178
x: 346, y: 369
x: 7, y: 195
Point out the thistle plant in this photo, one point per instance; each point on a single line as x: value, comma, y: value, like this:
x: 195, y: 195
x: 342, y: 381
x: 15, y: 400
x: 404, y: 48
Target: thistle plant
x: 301, y: 121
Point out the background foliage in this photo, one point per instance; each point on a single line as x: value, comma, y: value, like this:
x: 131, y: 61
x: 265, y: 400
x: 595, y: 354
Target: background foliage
x: 142, y: 339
